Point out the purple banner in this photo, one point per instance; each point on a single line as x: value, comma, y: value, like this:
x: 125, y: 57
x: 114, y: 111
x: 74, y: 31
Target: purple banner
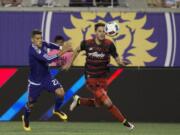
x: 145, y: 39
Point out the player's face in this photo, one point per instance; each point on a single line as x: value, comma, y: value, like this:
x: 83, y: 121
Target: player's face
x: 37, y: 40
x: 100, y: 34
x: 60, y: 42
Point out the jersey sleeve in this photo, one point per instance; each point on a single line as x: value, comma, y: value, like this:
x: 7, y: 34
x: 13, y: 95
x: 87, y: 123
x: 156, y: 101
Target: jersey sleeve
x: 113, y: 51
x: 44, y: 56
x: 52, y: 45
x: 83, y: 45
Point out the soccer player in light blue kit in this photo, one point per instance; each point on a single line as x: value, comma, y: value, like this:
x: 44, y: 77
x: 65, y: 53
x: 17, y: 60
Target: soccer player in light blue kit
x: 40, y: 78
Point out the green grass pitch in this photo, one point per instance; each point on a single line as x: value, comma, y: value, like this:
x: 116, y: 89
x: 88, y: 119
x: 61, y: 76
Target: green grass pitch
x: 70, y: 128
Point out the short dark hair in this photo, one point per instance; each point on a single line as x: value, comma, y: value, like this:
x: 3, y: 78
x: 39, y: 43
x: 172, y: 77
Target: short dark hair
x: 98, y: 25
x: 58, y: 37
x: 35, y: 32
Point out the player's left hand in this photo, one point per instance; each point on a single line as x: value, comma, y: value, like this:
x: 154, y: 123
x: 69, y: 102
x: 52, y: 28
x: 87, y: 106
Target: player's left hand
x: 66, y: 67
x: 67, y: 47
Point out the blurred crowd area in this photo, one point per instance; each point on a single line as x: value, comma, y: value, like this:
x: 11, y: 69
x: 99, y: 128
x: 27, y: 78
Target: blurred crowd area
x: 90, y: 3
x: 164, y: 3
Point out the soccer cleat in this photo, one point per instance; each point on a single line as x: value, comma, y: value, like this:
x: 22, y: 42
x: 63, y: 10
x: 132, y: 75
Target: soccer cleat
x: 129, y: 125
x: 75, y: 103
x: 61, y: 115
x: 26, y: 126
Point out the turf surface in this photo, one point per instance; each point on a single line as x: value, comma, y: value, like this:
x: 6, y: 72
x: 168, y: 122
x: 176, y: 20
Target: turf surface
x: 59, y: 128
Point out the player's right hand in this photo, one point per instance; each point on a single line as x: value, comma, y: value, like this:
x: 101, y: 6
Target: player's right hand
x: 66, y: 66
x: 67, y: 46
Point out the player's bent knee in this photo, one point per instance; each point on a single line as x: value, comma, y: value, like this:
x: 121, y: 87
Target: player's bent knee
x: 108, y: 103
x: 30, y: 106
x: 60, y: 92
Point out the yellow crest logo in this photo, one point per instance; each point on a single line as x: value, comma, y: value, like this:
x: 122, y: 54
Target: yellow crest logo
x: 131, y: 42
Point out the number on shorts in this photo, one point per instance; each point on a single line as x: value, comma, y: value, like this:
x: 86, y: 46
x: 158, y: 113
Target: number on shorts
x: 55, y: 82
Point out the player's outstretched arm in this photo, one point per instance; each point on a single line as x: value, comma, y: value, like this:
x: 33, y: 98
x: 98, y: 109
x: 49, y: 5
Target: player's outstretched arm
x: 52, y: 45
x: 67, y: 47
x: 120, y: 62
x: 115, y: 55
x: 43, y: 56
x: 75, y: 54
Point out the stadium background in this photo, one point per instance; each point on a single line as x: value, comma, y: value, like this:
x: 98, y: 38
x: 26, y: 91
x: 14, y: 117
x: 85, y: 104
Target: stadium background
x: 149, y: 93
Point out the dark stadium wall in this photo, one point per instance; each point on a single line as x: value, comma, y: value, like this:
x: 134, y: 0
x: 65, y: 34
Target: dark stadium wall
x: 145, y: 95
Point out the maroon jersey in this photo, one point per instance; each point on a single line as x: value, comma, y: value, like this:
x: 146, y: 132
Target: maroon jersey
x: 98, y: 57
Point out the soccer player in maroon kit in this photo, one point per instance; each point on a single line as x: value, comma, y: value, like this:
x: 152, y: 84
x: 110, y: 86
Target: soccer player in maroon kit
x: 98, y: 51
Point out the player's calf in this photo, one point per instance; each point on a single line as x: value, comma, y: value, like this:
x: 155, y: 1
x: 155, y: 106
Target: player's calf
x: 25, y: 117
x: 107, y: 101
x: 115, y: 111
x: 59, y: 92
x: 58, y: 102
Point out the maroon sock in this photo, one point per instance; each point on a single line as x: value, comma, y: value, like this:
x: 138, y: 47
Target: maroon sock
x: 116, y: 113
x: 87, y: 101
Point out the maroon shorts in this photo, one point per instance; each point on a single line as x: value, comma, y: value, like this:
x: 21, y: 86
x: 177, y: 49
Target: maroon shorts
x: 98, y: 87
